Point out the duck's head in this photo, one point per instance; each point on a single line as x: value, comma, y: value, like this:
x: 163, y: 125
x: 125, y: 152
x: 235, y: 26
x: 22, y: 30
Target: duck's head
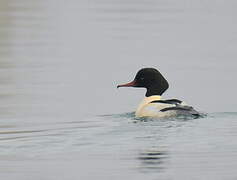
x: 151, y: 79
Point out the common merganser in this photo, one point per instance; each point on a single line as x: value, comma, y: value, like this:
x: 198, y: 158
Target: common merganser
x: 153, y: 105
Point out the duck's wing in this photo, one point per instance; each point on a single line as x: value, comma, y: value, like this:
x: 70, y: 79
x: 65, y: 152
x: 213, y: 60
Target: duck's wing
x: 168, y: 101
x: 176, y: 106
x: 182, y: 110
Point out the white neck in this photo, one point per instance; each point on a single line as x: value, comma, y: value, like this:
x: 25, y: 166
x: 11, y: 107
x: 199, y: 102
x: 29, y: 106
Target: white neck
x: 147, y: 100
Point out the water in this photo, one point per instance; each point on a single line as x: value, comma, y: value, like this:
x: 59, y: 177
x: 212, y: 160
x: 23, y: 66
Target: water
x: 120, y: 146
x: 61, y: 116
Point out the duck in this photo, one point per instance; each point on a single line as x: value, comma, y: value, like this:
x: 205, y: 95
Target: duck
x: 153, y: 105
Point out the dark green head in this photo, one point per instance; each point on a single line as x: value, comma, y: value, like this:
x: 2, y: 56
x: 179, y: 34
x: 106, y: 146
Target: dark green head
x: 151, y: 79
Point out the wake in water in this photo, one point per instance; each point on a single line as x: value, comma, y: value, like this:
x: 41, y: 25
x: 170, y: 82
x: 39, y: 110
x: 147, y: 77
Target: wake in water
x: 131, y: 116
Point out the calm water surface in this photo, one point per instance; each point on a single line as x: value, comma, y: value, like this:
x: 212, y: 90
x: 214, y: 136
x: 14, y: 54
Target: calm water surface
x: 61, y: 116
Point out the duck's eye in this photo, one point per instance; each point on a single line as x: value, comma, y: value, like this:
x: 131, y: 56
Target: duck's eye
x: 142, y: 78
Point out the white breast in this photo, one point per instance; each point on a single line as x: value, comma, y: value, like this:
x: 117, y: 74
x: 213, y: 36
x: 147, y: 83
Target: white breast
x: 148, y: 109
x: 153, y: 110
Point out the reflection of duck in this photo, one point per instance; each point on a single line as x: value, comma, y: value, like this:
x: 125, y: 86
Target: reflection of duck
x: 153, y: 159
x: 153, y: 105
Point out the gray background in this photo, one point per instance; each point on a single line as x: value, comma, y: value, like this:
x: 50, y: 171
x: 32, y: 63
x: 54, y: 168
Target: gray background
x: 67, y: 57
x: 60, y: 62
